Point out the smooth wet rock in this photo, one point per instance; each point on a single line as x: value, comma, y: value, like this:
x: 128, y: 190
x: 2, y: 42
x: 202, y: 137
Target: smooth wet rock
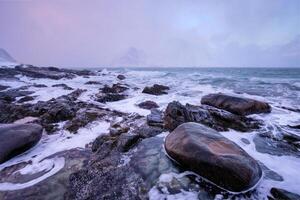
x: 17, y: 138
x: 236, y: 105
x: 93, y: 83
x: 3, y: 87
x: 156, y: 89
x: 121, y: 77
x: 62, y: 85
x: 220, y: 120
x: 115, y: 88
x: 39, y: 85
x: 25, y: 99
x: 109, y: 97
x: 212, y: 156
x: 281, y: 194
x: 148, y: 105
x: 265, y: 143
x: 127, y: 141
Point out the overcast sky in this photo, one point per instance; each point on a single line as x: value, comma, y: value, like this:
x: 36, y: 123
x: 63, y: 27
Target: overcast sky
x: 92, y: 33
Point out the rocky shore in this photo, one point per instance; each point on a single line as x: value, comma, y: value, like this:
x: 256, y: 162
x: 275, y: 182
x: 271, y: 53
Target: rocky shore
x: 70, y: 134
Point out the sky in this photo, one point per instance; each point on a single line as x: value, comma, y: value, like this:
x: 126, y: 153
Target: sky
x: 152, y: 33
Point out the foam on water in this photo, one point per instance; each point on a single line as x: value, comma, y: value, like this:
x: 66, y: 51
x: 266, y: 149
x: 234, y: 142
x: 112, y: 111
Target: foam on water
x: 49, y: 145
x: 278, y: 87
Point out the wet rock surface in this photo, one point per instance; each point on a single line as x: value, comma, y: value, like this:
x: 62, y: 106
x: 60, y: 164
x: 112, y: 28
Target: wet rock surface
x: 50, y: 112
x: 156, y: 89
x: 265, y: 143
x: 111, y: 177
x: 148, y: 105
x: 54, y: 187
x: 62, y: 85
x: 236, y: 105
x: 3, y: 87
x: 280, y: 194
x: 17, y: 138
x: 212, y: 156
x: 113, y: 93
x: 220, y: 120
x: 121, y: 77
x: 25, y: 99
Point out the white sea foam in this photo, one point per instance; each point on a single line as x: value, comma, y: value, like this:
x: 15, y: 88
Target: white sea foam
x: 184, y: 87
x: 49, y: 145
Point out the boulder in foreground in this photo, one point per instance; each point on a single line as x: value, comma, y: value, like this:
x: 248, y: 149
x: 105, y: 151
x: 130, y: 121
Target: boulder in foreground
x: 212, y: 156
x: 17, y: 138
x: 236, y: 105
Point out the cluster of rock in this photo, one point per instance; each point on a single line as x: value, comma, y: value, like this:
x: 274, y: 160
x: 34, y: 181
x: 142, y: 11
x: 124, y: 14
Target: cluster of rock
x: 113, y: 93
x: 42, y: 72
x: 127, y: 162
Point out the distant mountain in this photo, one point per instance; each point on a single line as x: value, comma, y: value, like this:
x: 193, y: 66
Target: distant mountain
x: 132, y: 57
x: 6, y: 59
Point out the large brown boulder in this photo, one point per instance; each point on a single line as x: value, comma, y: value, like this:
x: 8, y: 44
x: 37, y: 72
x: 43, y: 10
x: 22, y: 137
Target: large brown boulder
x: 236, y: 105
x: 17, y: 138
x: 212, y: 156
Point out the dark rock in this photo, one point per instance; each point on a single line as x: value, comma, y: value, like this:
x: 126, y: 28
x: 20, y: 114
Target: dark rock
x: 273, y: 146
x: 100, y: 140
x: 220, y: 120
x: 126, y: 141
x: 43, y: 72
x: 93, y: 83
x: 269, y: 174
x: 212, y: 156
x: 109, y: 177
x: 12, y: 94
x: 295, y: 126
x: 148, y: 105
x: 8, y: 72
x: 236, y: 105
x: 116, y: 88
x: 39, y: 85
x: 281, y: 194
x: 53, y: 111
x: 83, y: 117
x: 155, y: 118
x: 290, y: 109
x: 245, y: 141
x: 146, y: 131
x: 121, y: 77
x: 64, y: 86
x: 3, y: 87
x: 156, y: 89
x: 116, y: 131
x: 55, y: 186
x: 17, y: 138
x: 25, y: 99
x: 109, y: 97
